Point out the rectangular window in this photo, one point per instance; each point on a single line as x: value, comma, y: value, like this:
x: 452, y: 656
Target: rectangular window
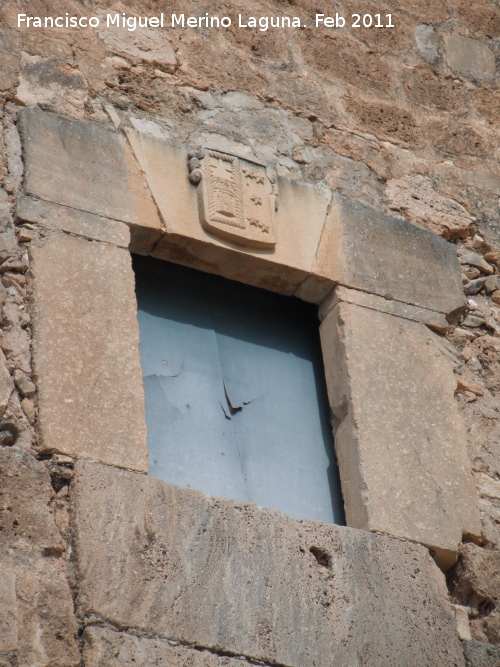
x: 236, y: 402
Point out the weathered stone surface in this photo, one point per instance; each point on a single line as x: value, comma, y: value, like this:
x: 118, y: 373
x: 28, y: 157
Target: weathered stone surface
x: 24, y: 521
x: 234, y: 577
x: 400, y: 442
x: 433, y: 319
x: 148, y: 45
x: 85, y: 352
x: 16, y: 345
x: 8, y: 614
x: 430, y: 88
x: 457, y: 138
x: 49, y: 215
x: 388, y: 121
x: 103, y: 647
x: 421, y: 204
x: 478, y: 654
x: 470, y: 57
x: 6, y: 384
x: 299, y: 223
x: 37, y: 623
x: 367, y: 250
x: 87, y: 167
x: 52, y: 84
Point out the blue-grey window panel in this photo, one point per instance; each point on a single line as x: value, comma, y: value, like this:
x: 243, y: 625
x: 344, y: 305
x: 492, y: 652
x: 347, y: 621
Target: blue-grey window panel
x: 236, y: 401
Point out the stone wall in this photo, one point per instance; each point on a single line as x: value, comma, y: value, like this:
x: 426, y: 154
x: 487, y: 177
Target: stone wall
x: 403, y: 120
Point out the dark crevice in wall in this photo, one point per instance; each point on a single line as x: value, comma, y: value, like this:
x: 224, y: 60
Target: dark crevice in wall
x: 98, y: 621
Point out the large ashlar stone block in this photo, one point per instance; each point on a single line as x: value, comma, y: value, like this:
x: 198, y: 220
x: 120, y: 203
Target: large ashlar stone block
x: 103, y: 647
x: 237, y: 578
x: 299, y: 223
x: 400, y: 440
x: 367, y: 250
x: 37, y: 621
x: 87, y: 167
x: 85, y: 352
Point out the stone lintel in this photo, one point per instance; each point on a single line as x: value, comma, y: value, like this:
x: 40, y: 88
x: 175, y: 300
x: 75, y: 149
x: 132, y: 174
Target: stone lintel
x: 367, y: 250
x: 317, y: 243
x: 232, y: 577
x: 431, y: 318
x: 71, y: 220
x: 87, y: 167
x: 85, y: 352
x: 298, y: 225
x: 400, y: 440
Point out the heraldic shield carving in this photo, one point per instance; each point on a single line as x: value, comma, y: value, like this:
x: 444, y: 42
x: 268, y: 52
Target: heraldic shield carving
x: 237, y: 199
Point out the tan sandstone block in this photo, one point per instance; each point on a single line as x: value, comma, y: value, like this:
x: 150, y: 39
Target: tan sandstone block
x: 87, y: 167
x: 85, y: 352
x: 103, y: 647
x: 400, y: 441
x: 71, y: 220
x: 237, y: 578
x: 299, y: 223
x: 434, y: 320
x: 367, y: 250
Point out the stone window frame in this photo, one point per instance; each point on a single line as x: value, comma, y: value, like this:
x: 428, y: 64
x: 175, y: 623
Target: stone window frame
x: 383, y: 288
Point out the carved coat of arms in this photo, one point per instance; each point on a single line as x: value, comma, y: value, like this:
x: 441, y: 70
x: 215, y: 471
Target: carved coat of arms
x: 237, y: 199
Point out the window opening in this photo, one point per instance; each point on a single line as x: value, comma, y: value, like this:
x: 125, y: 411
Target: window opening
x: 236, y: 402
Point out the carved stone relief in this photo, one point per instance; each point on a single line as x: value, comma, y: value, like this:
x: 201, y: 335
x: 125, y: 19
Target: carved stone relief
x: 237, y: 199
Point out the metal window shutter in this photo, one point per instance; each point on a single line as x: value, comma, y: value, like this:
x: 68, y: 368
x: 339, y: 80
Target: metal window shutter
x: 236, y: 401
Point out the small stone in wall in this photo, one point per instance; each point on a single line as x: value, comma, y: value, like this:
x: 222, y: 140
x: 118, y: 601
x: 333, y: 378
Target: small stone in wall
x: 493, y: 257
x: 24, y: 384
x: 474, y: 259
x: 473, y: 321
x: 463, y: 334
x: 25, y: 235
x: 63, y: 459
x: 427, y: 42
x: 491, y: 284
x: 6, y: 384
x: 472, y: 272
x: 474, y: 286
x: 29, y: 410
x: 462, y: 619
x: 466, y: 385
x: 489, y: 487
x: 478, y: 243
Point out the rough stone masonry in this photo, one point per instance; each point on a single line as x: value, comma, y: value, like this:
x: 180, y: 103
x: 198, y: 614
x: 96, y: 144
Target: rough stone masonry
x: 405, y: 121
